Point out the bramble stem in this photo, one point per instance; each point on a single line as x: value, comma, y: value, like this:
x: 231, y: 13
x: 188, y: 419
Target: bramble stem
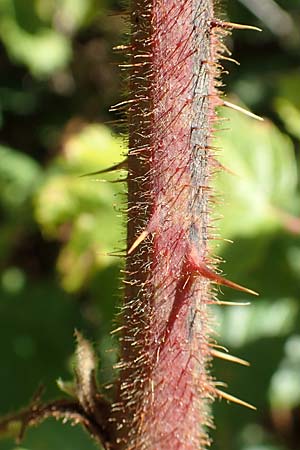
x: 165, y: 388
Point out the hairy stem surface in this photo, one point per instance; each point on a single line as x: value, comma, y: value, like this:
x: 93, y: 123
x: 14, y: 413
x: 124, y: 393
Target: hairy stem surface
x: 164, y: 385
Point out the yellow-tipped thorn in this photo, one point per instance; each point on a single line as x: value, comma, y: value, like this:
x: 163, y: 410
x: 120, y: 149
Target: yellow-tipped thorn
x: 242, y: 110
x: 220, y: 302
x: 121, y: 47
x: 138, y: 241
x: 238, y: 287
x: 234, y: 61
x: 123, y: 104
x: 231, y: 398
x: 117, y: 330
x: 240, y: 26
x: 230, y: 358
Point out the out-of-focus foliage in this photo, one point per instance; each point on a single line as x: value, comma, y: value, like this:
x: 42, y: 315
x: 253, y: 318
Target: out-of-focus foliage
x: 19, y: 177
x: 262, y: 178
x: 56, y: 84
x: 38, y: 33
x: 80, y: 211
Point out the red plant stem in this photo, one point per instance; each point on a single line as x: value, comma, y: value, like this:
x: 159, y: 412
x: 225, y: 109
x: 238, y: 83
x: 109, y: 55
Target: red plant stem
x: 165, y: 388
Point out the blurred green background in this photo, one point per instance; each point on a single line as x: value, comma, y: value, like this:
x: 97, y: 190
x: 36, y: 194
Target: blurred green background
x: 58, y: 77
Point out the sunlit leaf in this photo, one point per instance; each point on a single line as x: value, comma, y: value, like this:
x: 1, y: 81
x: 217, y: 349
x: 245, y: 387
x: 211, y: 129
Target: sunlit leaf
x: 284, y: 388
x: 263, y: 179
x: 19, y: 175
x: 290, y: 115
x: 80, y: 212
x: 31, y: 41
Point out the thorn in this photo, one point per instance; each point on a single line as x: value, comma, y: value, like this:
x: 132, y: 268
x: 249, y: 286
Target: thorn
x: 119, y: 166
x: 117, y: 255
x: 202, y: 269
x: 217, y: 238
x: 150, y: 229
x: 231, y: 60
x: 233, y: 399
x: 121, y: 48
x: 224, y: 48
x: 238, y: 26
x: 225, y: 168
x: 220, y: 347
x: 228, y: 357
x: 219, y: 302
x: 138, y: 241
x: 242, y: 110
x: 130, y: 66
x: 117, y: 330
x: 123, y: 104
x: 102, y: 180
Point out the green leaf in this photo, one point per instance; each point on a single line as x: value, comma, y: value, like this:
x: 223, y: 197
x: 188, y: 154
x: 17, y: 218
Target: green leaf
x: 263, y: 319
x: 265, y: 176
x: 284, y: 389
x: 95, y: 147
x: 79, y: 211
x: 31, y: 41
x: 19, y: 176
x: 289, y: 114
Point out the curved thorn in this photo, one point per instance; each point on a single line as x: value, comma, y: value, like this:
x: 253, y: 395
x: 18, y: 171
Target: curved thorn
x: 234, y: 61
x: 238, y: 26
x: 220, y: 347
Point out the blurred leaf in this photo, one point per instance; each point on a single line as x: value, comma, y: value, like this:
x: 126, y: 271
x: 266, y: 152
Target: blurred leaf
x: 38, y: 33
x: 284, y: 389
x: 17, y: 101
x: 288, y: 87
x: 68, y: 14
x: 265, y: 179
x: 20, y: 448
x: 289, y: 114
x: 53, y: 435
x: 263, y: 319
x: 35, y: 351
x: 13, y: 280
x: 263, y: 446
x: 79, y: 212
x: 43, y: 53
x: 31, y: 41
x: 19, y: 176
x: 95, y: 147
